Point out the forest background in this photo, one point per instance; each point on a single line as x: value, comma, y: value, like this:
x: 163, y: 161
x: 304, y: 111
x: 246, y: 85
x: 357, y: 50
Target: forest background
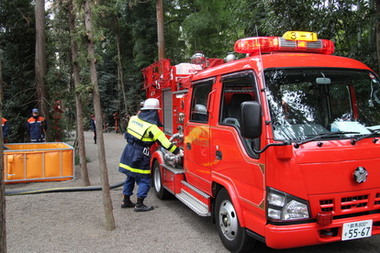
x: 125, y: 39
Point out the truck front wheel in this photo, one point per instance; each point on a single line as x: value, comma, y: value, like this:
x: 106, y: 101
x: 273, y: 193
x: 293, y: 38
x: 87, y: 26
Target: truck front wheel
x: 159, y: 189
x: 233, y: 236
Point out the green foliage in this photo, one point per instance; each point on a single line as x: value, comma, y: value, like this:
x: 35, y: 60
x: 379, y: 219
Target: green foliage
x: 17, y: 35
x: 211, y: 28
x: 344, y: 22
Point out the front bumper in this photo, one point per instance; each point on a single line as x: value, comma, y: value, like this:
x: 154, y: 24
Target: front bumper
x: 299, y: 235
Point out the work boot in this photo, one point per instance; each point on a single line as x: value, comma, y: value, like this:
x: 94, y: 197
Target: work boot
x: 127, y: 203
x: 140, y: 207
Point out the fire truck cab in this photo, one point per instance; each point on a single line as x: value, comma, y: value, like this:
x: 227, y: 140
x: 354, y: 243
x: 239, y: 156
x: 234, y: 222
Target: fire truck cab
x: 281, y: 146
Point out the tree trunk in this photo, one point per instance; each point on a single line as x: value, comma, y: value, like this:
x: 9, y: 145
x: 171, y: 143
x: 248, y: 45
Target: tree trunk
x: 378, y: 33
x: 3, y: 234
x: 359, y: 34
x: 78, y: 101
x: 372, y: 25
x: 160, y: 29
x: 40, y: 61
x: 107, y: 202
x: 120, y: 73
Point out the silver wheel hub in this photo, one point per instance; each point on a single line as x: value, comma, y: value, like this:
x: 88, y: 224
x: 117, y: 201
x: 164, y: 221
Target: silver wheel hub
x: 228, y: 220
x: 157, y: 179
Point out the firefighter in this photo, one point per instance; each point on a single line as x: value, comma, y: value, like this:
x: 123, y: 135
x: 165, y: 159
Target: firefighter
x: 4, y: 124
x: 36, y: 126
x: 142, y: 133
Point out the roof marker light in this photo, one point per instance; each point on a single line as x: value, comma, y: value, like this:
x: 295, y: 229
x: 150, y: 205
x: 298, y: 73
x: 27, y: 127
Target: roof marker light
x: 257, y: 45
x: 290, y: 42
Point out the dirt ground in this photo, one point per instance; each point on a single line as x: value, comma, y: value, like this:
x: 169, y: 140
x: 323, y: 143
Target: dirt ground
x: 75, y: 222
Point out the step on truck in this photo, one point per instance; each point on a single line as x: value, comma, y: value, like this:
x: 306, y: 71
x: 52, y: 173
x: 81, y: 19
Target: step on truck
x: 281, y: 146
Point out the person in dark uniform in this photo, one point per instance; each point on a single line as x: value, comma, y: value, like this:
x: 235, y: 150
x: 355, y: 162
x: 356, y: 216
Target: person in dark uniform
x: 142, y: 133
x: 36, y: 126
x: 93, y: 126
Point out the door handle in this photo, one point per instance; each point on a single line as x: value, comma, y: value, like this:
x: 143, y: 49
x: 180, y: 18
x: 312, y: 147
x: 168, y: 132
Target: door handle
x: 188, y: 146
x: 219, y: 155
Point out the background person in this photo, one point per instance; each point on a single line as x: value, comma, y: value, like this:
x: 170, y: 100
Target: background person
x: 36, y: 127
x: 93, y: 126
x: 5, y: 126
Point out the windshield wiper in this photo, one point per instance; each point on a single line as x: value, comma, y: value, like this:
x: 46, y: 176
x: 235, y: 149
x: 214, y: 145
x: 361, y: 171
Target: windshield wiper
x: 373, y: 133
x: 284, y: 143
x: 297, y: 144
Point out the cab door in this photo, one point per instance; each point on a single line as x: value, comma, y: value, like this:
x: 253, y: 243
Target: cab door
x: 235, y: 159
x: 197, y: 136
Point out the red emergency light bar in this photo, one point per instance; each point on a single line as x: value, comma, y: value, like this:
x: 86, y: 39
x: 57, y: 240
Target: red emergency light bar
x: 260, y: 45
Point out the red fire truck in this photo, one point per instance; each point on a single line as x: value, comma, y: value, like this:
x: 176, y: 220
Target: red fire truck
x: 281, y: 146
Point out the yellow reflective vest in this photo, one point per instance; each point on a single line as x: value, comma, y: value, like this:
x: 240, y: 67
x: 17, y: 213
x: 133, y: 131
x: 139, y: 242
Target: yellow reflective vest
x: 140, y: 137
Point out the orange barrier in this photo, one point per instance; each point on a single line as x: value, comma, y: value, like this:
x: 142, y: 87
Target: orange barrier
x: 35, y: 162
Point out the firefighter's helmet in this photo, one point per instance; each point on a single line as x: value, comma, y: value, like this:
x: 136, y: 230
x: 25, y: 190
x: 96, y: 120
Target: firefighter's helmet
x: 151, y: 104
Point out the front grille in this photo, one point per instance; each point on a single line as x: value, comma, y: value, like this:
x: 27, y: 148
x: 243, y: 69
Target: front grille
x: 377, y: 199
x: 354, y: 202
x: 327, y: 205
x: 341, y: 204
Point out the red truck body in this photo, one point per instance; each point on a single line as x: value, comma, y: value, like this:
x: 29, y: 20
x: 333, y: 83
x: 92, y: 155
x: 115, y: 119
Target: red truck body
x: 290, y: 181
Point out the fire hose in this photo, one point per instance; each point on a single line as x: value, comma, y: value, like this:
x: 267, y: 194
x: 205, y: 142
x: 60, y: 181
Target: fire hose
x: 62, y: 189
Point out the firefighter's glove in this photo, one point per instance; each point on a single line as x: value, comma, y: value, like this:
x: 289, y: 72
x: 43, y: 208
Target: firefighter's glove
x: 181, y: 153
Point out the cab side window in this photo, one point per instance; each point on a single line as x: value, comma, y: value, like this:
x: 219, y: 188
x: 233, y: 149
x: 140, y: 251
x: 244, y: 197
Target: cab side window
x: 199, y: 102
x: 237, y: 88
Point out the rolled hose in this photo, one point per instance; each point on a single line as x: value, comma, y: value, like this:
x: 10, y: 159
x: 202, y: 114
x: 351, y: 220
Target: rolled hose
x: 62, y: 189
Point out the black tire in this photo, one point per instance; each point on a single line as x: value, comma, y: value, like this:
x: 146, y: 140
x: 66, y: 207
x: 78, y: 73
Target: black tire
x: 233, y: 236
x: 161, y: 192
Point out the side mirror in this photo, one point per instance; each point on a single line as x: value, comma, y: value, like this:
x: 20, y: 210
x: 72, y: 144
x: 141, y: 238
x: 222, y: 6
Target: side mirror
x: 251, y: 121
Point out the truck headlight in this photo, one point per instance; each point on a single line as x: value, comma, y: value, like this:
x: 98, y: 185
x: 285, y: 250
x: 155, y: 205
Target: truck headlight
x: 285, y: 207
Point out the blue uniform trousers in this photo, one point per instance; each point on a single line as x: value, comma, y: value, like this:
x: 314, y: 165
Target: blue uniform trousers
x: 142, y: 183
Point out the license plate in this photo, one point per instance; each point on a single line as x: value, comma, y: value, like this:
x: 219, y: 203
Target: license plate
x: 356, y: 230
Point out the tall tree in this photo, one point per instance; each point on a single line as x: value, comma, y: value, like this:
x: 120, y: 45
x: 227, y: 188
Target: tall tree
x: 78, y: 100
x: 107, y: 202
x: 3, y: 242
x: 40, y: 59
x: 120, y: 69
x: 160, y: 29
x: 378, y: 33
x: 114, y: 30
x: 139, y: 43
x: 58, y: 82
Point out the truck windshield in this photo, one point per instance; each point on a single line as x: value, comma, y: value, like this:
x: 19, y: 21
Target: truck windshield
x: 310, y: 102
